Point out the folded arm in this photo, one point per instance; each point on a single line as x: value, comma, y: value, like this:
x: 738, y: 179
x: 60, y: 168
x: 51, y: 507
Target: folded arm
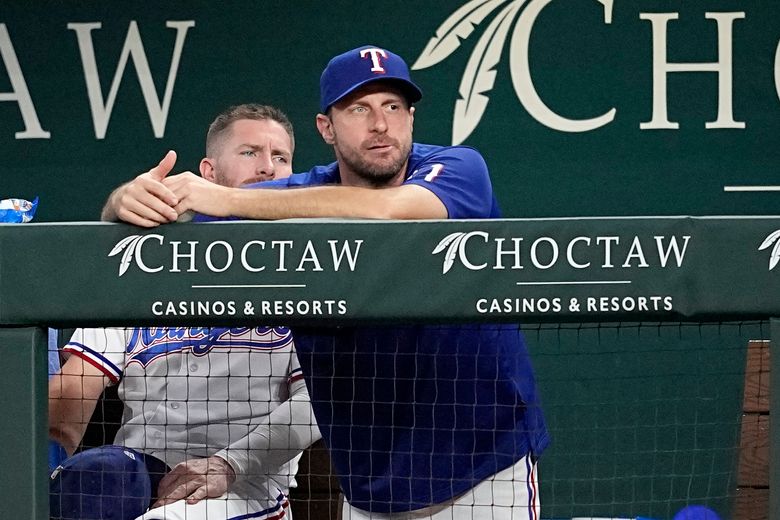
x: 281, y: 436
x: 399, y: 202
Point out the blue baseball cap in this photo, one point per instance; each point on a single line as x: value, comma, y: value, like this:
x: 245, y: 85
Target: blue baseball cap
x: 107, y: 483
x: 347, y: 72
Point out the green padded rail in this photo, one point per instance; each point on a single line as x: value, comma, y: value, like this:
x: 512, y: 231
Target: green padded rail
x: 293, y: 272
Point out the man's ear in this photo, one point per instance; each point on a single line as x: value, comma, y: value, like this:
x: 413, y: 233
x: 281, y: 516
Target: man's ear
x: 411, y: 114
x: 207, y: 169
x: 325, y: 127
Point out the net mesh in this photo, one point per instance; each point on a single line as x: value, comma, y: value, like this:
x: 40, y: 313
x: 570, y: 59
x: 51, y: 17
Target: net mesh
x: 644, y: 418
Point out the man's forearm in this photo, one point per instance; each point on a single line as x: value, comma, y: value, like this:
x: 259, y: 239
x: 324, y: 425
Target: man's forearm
x: 404, y: 202
x: 288, y: 430
x: 69, y: 412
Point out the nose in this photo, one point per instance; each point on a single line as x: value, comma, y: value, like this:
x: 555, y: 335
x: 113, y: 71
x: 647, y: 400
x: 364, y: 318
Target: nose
x: 266, y: 169
x: 379, y: 122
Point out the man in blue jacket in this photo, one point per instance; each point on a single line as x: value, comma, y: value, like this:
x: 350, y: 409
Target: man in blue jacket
x: 421, y: 421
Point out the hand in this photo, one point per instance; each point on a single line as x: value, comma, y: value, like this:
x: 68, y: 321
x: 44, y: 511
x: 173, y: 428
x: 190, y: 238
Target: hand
x: 194, y: 480
x: 145, y: 201
x: 195, y: 193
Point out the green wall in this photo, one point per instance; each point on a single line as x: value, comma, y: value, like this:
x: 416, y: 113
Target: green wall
x: 579, y: 66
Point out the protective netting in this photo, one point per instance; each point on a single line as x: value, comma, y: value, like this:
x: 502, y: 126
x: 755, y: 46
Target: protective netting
x: 643, y: 418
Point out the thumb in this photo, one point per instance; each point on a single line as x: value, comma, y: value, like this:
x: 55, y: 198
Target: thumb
x: 164, y: 167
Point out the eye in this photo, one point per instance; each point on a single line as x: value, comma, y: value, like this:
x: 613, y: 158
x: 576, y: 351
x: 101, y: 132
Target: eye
x: 248, y: 153
x: 359, y: 110
x: 281, y: 159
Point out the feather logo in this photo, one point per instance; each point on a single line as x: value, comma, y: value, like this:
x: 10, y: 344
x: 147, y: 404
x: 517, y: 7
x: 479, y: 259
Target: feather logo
x: 772, y: 238
x: 480, y: 74
x: 777, y: 70
x: 455, y: 246
x: 131, y: 246
x: 458, y: 26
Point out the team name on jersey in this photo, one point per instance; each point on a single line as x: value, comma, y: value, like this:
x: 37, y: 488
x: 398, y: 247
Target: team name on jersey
x: 148, y: 344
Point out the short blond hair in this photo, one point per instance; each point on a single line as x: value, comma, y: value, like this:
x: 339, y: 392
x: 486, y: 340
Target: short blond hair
x: 246, y: 111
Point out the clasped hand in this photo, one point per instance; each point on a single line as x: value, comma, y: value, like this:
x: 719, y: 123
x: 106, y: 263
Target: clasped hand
x: 154, y: 198
x: 195, y: 479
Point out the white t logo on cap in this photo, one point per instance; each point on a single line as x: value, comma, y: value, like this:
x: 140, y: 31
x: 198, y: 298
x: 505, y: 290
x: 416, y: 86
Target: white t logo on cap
x: 375, y: 54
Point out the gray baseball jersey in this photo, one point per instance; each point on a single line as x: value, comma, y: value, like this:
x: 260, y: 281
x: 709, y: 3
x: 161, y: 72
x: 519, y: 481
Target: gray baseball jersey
x: 197, y: 392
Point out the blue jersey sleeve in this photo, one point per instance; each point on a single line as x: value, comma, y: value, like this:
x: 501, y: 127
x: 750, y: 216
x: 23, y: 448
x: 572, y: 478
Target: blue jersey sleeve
x: 316, y: 176
x: 459, y: 176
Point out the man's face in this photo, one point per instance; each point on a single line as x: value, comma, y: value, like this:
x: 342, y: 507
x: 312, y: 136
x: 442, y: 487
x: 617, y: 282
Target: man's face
x: 250, y: 151
x: 371, y: 132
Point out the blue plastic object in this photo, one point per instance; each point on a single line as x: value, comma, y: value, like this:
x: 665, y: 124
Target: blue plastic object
x: 696, y: 513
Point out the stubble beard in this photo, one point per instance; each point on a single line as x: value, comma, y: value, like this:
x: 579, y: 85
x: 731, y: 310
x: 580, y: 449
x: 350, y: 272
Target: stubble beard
x: 375, y: 174
x: 220, y: 179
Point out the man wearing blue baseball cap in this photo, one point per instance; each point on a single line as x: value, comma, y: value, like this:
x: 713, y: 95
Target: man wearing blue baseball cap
x: 439, y: 422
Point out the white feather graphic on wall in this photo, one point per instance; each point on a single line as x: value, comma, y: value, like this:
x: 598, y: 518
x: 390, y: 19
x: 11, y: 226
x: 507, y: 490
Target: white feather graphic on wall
x: 457, y: 27
x: 480, y: 74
